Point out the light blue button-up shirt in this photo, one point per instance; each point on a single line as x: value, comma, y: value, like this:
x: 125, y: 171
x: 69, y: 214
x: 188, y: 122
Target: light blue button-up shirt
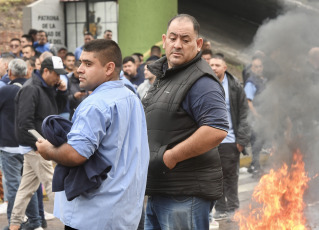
x: 230, y: 138
x: 112, y: 121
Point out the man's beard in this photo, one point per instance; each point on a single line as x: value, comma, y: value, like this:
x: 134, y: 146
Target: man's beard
x: 129, y: 76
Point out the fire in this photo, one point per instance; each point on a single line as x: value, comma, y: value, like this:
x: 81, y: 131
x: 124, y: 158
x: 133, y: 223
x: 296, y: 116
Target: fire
x: 279, y: 199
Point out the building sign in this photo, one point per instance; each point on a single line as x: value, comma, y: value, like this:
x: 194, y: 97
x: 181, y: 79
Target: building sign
x: 46, y: 15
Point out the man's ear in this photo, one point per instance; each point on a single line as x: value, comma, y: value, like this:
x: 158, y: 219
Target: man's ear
x: 199, y: 42
x: 109, y: 68
x: 9, y: 74
x: 163, y: 39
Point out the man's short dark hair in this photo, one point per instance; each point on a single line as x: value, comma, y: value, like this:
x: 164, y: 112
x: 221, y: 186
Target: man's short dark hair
x: 15, y: 39
x: 28, y: 37
x: 32, y: 48
x: 88, y: 33
x: 127, y: 59
x: 156, y: 50
x: 207, y: 51
x: 108, y: 31
x: 32, y: 32
x: 69, y: 54
x: 107, y: 51
x: 30, y: 61
x: 219, y: 56
x: 191, y: 18
x: 42, y: 31
x: 140, y: 56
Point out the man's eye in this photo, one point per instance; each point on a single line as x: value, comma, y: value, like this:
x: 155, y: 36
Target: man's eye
x: 172, y: 39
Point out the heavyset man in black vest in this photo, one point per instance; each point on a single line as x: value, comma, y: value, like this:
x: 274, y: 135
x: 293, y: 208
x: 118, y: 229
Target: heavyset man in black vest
x: 187, y: 119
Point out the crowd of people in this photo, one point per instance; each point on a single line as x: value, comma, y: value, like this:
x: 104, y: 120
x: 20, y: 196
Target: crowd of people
x: 171, y: 127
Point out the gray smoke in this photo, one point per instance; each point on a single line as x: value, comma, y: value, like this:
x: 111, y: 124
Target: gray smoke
x: 290, y: 103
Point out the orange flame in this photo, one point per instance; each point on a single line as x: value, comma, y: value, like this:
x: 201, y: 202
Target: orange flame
x: 279, y: 200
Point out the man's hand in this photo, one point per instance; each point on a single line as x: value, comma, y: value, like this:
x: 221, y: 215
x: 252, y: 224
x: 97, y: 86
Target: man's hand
x: 14, y: 227
x: 44, y: 147
x: 79, y: 95
x: 61, y: 85
x: 240, y: 148
x: 169, y: 159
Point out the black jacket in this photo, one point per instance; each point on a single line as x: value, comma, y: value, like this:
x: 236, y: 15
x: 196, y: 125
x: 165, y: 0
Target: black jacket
x: 33, y: 103
x: 73, y: 87
x: 7, y: 121
x: 169, y: 124
x: 239, y: 110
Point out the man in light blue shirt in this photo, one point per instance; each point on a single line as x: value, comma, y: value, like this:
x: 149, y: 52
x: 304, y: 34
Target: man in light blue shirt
x: 255, y: 84
x: 87, y: 38
x: 111, y: 120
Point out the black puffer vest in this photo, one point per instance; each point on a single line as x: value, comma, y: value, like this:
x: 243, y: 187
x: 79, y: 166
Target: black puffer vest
x: 168, y: 124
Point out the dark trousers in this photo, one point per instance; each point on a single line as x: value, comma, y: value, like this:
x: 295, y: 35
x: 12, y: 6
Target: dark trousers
x: 229, y: 157
x: 40, y: 201
x: 257, y: 142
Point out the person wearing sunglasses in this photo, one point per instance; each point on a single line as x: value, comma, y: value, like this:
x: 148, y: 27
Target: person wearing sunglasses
x: 15, y: 47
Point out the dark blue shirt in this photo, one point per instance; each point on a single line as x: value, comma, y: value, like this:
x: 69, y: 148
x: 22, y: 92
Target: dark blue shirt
x: 205, y: 103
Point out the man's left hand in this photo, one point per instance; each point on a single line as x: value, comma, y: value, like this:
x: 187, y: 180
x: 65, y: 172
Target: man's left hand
x: 169, y: 159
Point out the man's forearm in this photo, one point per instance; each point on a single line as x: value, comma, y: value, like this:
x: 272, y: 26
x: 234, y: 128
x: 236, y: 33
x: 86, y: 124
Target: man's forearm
x: 203, y: 140
x: 65, y: 154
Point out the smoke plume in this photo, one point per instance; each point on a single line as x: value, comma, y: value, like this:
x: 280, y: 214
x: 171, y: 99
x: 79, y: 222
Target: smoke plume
x: 289, y: 106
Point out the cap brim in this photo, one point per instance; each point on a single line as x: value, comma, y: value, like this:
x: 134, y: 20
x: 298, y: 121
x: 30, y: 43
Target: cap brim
x: 60, y: 71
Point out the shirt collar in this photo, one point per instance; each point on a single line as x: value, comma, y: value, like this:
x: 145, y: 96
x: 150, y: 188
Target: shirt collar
x: 109, y: 85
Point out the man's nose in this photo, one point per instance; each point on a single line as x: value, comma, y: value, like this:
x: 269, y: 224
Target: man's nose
x: 80, y: 69
x: 178, y: 43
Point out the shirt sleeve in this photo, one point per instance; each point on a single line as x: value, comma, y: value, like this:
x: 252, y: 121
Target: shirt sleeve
x: 89, y: 127
x: 205, y: 103
x: 250, y: 90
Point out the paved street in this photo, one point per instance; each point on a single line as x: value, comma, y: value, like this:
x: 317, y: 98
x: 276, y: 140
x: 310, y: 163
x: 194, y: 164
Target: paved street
x: 246, y: 186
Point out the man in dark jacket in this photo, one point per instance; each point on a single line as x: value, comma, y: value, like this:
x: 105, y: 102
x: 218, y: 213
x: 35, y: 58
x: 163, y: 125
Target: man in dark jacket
x: 237, y: 138
x: 12, y: 160
x: 186, y: 120
x: 42, y: 95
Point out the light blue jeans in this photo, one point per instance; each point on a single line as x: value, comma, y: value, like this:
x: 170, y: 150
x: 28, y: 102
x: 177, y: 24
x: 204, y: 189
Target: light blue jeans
x: 177, y: 212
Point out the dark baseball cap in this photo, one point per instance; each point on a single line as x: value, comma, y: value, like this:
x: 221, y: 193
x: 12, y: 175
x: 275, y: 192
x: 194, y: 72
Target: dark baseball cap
x: 54, y: 63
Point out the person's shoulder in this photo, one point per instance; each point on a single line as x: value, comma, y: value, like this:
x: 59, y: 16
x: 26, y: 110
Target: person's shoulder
x: 233, y: 79
x: 79, y: 48
x: 205, y: 85
x: 206, y: 81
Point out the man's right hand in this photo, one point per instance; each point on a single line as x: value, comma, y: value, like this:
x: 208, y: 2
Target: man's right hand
x: 79, y: 95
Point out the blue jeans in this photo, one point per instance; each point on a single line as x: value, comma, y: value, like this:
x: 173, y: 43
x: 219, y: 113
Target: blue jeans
x: 177, y: 212
x: 5, y: 191
x: 12, y: 164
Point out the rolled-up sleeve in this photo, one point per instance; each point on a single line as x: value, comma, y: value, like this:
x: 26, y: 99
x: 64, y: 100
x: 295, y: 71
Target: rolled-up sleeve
x: 89, y: 127
x: 250, y: 91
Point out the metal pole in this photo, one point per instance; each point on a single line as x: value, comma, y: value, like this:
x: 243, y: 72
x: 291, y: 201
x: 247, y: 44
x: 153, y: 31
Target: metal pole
x: 87, y: 15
